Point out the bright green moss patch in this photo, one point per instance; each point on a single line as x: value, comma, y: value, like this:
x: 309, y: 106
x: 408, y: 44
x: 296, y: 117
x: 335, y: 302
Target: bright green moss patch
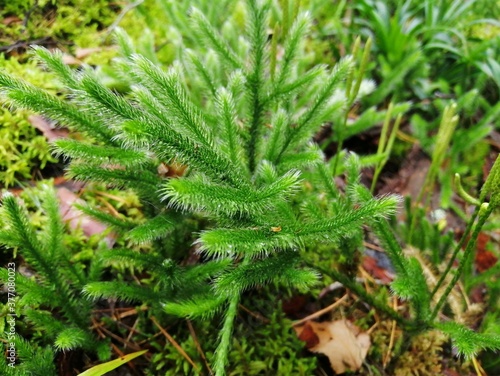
x: 52, y: 23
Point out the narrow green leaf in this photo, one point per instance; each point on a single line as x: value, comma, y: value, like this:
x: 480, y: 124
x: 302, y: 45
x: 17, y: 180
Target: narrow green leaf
x: 104, y: 368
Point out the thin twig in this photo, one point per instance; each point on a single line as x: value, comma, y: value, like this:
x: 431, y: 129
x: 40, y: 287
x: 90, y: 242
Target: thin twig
x: 109, y: 333
x: 366, y: 277
x: 106, y: 310
x: 253, y: 314
x: 148, y: 340
x: 131, y: 312
x: 373, y: 246
x: 174, y: 343
x: 97, y: 327
x: 393, y: 334
x: 132, y: 330
x: 479, y: 370
x: 129, y: 328
x: 321, y: 311
x: 110, y: 207
x: 111, y: 196
x: 198, y: 346
x: 372, y: 328
x: 45, y: 41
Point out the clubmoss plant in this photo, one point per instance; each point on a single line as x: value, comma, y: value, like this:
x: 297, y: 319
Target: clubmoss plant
x: 243, y: 135
x: 57, y: 288
x: 244, y: 152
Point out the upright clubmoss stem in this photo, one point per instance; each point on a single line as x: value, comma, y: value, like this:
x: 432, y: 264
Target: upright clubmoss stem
x: 255, y: 81
x: 458, y: 247
x: 484, y: 212
x: 222, y: 352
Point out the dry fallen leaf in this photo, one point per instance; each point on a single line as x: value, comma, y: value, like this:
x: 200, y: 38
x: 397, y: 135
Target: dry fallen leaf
x: 76, y: 218
x: 50, y: 132
x: 12, y: 19
x: 376, y: 268
x: 71, y: 60
x: 341, y: 341
x: 82, y: 53
x: 485, y: 259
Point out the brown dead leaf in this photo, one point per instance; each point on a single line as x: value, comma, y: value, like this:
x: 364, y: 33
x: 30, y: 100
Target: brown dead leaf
x: 484, y: 259
x: 76, y: 218
x: 173, y: 169
x: 309, y: 336
x: 12, y: 19
x: 371, y: 265
x: 82, y: 53
x: 50, y: 132
x: 71, y: 60
x: 341, y: 341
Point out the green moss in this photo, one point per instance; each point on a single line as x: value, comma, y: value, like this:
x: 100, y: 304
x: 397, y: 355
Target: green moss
x: 23, y: 150
x: 54, y: 22
x: 263, y: 344
x: 425, y: 357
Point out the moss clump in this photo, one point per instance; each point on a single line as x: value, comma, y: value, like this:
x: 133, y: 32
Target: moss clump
x: 55, y: 22
x: 23, y: 150
x: 425, y: 356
